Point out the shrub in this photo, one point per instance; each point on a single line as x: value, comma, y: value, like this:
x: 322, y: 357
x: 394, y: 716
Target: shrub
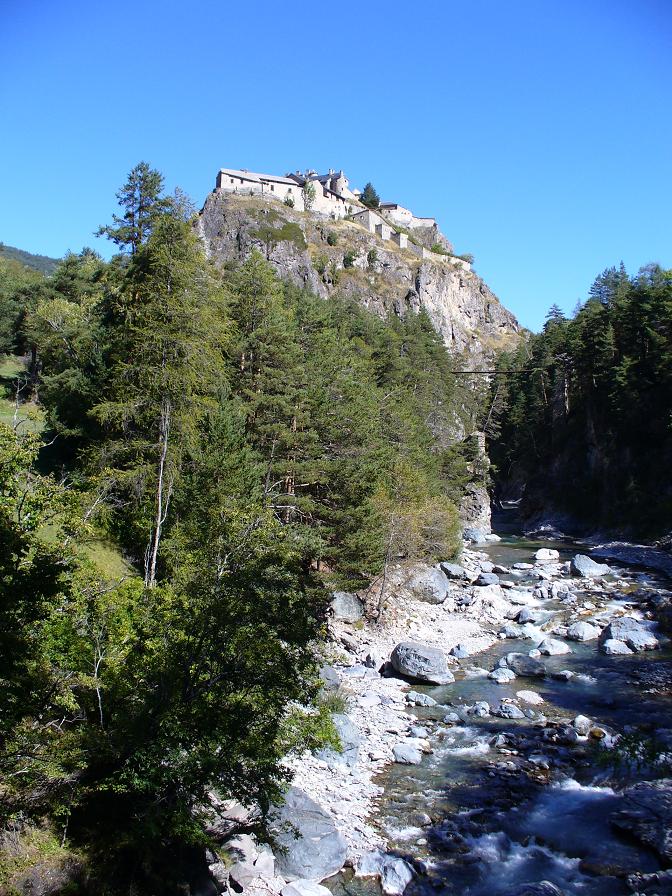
x: 332, y: 238
x: 349, y: 259
x: 439, y: 249
x: 289, y: 201
x: 467, y: 256
x: 371, y: 258
x: 320, y: 263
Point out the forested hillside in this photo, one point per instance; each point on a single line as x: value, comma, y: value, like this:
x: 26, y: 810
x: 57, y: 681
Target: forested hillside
x: 585, y: 410
x: 42, y: 263
x: 208, y: 455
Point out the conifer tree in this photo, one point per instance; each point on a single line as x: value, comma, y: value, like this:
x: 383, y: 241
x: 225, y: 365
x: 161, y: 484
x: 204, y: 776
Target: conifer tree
x: 168, y: 369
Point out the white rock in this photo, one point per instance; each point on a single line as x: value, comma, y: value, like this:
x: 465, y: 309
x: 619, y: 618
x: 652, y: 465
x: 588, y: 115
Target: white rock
x: 304, y: 888
x: 396, y: 876
x: 582, y: 724
x: 530, y: 697
x: 546, y: 555
x: 552, y: 647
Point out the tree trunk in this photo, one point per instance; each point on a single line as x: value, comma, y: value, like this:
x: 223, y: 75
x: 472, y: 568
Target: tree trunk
x: 163, y: 495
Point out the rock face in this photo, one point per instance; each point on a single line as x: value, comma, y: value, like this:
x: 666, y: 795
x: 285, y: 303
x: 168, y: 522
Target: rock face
x: 318, y: 851
x: 421, y: 663
x: 460, y: 305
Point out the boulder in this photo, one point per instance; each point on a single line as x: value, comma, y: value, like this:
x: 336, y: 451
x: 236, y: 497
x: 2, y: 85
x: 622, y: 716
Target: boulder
x: 421, y: 662
x: 395, y: 876
x: 509, y: 711
x: 459, y: 651
x: 586, y: 568
x: 642, y: 641
x: 346, y: 607
x: 487, y: 578
x: 612, y: 647
x: 502, y: 675
x: 582, y: 631
x: 540, y: 888
x: 582, y: 724
x: 546, y: 555
x: 553, y: 647
x: 631, y: 632
x: 530, y: 697
x: 647, y: 815
x: 348, y: 735
x: 427, y: 583
x: 415, y: 698
x: 304, y: 888
x: 407, y: 753
x: 481, y: 709
x: 370, y: 864
x: 526, y: 666
x: 528, y: 614
x: 454, y: 571
x: 311, y: 846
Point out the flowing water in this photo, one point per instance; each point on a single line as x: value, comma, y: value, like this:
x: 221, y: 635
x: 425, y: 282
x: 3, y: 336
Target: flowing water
x: 497, y: 821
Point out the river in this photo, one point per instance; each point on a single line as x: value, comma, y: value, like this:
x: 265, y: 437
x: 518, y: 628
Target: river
x: 502, y: 802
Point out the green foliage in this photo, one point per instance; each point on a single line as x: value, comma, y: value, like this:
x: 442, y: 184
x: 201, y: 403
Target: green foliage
x: 369, y: 197
x: 288, y: 232
x: 467, y: 256
x: 289, y: 201
x: 226, y: 440
x: 320, y: 263
x: 372, y: 258
x: 332, y: 238
x: 309, y: 193
x: 438, y: 249
x: 141, y: 201
x: 349, y: 259
x: 584, y: 407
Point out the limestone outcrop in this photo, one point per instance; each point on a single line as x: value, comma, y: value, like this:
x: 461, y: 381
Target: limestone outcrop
x: 341, y: 256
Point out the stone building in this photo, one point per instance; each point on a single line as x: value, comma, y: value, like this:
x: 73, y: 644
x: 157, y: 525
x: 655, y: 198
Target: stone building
x: 332, y: 195
x: 404, y: 217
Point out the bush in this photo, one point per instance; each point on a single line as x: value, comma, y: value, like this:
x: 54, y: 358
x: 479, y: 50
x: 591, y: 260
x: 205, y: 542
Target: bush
x: 372, y: 257
x: 320, y: 263
x: 349, y: 259
x: 467, y: 256
x: 289, y: 201
x: 332, y: 238
x: 439, y: 249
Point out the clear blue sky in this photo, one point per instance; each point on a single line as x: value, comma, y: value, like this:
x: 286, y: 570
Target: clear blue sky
x: 538, y: 132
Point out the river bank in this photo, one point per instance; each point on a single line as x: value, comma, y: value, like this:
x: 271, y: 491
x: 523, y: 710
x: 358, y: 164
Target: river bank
x: 420, y: 758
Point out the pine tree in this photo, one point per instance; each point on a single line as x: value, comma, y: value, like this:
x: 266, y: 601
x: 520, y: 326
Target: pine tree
x: 142, y: 202
x: 369, y: 197
x: 169, y: 368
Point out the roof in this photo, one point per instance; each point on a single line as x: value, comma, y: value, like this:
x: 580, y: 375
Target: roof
x: 258, y: 178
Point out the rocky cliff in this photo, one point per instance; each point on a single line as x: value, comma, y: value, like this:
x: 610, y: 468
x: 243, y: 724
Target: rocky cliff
x: 328, y: 256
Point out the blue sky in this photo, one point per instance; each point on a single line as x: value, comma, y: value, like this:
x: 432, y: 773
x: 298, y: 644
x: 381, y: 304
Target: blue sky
x: 539, y: 133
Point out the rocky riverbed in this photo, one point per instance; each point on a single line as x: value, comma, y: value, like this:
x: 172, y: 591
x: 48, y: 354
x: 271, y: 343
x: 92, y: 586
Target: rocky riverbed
x: 505, y: 726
